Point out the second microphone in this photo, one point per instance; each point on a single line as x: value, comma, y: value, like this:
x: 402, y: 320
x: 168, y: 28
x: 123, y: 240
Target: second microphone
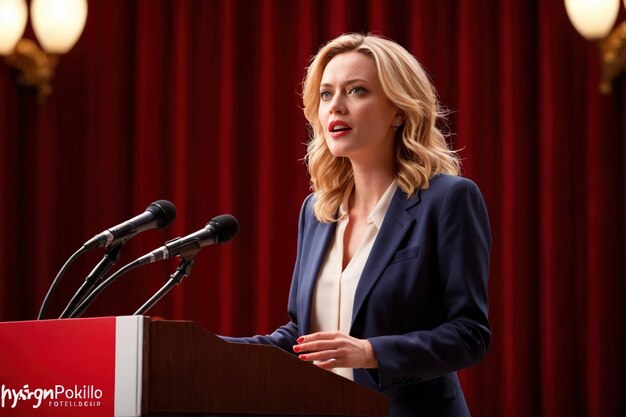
x: 220, y: 229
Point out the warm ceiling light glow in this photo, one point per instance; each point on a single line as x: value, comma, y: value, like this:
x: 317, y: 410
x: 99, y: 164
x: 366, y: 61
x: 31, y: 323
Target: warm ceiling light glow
x: 12, y: 23
x: 593, y: 19
x: 58, y: 23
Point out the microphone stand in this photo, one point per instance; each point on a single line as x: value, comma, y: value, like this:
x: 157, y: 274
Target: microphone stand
x: 108, y: 260
x: 183, y: 270
x: 78, y: 311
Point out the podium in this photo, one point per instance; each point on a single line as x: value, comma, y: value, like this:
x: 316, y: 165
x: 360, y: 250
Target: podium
x: 132, y: 366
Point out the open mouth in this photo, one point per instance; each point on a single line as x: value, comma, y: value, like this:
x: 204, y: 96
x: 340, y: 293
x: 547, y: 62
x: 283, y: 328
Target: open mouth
x: 338, y: 127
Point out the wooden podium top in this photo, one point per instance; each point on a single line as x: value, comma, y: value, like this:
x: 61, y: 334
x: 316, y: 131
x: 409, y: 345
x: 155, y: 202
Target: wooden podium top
x: 193, y: 371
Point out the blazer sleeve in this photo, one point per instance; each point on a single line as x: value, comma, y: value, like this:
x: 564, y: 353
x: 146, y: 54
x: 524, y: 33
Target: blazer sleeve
x: 462, y: 241
x: 285, y: 336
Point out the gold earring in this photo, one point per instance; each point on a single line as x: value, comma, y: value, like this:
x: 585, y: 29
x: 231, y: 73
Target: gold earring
x: 399, y: 122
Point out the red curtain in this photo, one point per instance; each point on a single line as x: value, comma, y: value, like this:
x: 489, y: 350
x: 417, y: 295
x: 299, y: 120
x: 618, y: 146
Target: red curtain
x: 197, y: 102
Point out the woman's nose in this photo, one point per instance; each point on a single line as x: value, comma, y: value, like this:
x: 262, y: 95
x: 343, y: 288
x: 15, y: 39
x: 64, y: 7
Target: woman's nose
x: 337, y: 105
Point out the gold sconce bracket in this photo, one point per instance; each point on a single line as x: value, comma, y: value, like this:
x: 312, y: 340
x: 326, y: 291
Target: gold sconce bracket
x: 612, y: 57
x: 36, y: 67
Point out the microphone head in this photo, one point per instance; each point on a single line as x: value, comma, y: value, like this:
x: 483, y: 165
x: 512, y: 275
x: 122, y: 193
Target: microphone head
x: 164, y: 213
x: 226, y: 225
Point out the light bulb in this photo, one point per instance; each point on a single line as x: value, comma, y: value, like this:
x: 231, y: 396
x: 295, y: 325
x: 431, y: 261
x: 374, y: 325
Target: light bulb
x: 58, y: 23
x: 13, y: 15
x: 593, y: 19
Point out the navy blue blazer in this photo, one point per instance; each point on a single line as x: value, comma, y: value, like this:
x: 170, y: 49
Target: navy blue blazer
x: 421, y: 299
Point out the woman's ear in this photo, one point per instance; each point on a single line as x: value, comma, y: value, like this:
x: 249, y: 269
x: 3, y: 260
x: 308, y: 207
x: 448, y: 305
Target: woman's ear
x: 398, y: 120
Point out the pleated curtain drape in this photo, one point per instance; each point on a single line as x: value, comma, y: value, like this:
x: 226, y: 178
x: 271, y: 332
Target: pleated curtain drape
x: 197, y: 101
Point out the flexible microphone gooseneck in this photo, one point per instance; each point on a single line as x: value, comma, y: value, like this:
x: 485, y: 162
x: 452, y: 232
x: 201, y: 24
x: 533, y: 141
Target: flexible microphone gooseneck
x: 220, y: 229
x: 156, y: 216
x: 106, y: 263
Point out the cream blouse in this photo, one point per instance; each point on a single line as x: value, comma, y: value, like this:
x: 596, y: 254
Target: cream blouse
x: 335, y: 288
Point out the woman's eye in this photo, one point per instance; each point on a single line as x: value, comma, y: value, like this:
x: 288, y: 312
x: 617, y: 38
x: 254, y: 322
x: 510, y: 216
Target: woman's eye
x: 325, y: 95
x: 357, y: 91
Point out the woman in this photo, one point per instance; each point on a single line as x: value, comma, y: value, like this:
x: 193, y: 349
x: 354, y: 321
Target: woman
x: 390, y: 281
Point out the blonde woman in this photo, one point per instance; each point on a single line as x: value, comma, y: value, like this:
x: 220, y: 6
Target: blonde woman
x: 390, y: 281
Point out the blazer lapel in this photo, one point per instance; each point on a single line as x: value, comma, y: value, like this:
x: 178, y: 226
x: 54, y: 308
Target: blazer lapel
x: 397, y: 222
x: 319, y: 245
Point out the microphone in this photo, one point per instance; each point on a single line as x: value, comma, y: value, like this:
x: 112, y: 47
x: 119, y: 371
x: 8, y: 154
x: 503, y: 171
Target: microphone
x: 156, y: 216
x: 220, y: 229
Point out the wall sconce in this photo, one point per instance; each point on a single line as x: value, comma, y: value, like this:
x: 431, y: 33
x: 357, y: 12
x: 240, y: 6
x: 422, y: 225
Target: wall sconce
x: 594, y: 19
x: 57, y: 24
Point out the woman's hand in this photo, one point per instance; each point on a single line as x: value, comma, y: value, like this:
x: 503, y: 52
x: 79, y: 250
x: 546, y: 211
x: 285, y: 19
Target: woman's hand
x: 336, y: 350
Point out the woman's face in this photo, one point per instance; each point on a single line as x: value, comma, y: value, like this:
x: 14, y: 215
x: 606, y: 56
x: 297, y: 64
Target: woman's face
x: 356, y: 115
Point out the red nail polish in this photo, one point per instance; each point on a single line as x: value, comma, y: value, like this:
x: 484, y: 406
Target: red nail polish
x: 303, y: 357
x: 300, y: 339
x: 296, y: 348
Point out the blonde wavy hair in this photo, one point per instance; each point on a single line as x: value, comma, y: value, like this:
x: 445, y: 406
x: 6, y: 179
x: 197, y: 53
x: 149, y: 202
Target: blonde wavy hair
x: 420, y: 147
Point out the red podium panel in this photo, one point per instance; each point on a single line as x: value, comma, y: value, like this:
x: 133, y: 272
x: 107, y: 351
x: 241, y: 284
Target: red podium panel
x: 67, y: 368
x: 129, y: 367
x: 53, y: 369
